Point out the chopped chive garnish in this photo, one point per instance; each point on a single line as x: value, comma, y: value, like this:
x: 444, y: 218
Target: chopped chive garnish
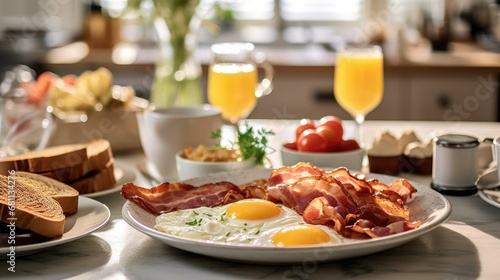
x: 196, y: 213
x: 227, y: 235
x: 257, y: 232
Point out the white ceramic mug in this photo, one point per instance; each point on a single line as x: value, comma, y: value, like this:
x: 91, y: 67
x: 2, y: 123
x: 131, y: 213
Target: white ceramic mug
x: 164, y: 132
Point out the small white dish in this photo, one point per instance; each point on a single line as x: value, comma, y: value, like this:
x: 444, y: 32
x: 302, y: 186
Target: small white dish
x: 189, y: 169
x: 428, y: 206
x: 489, y: 188
x: 91, y: 216
x: 352, y: 160
x: 122, y: 176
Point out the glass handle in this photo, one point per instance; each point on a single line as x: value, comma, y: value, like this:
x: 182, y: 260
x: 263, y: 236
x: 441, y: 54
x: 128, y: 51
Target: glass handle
x: 266, y: 85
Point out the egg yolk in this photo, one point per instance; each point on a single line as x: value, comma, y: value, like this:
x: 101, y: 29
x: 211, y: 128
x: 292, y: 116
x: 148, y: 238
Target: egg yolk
x: 253, y: 210
x: 300, y: 236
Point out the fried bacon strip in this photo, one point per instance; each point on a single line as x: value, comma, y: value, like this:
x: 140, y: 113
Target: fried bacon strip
x: 168, y: 197
x: 373, y: 208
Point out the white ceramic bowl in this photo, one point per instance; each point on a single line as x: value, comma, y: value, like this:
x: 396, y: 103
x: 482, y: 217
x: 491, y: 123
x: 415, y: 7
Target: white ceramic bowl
x: 353, y: 160
x: 188, y: 169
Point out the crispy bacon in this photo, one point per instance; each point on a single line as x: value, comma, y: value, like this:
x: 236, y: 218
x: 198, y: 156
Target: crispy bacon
x: 352, y: 205
x: 168, y: 197
x: 371, y: 201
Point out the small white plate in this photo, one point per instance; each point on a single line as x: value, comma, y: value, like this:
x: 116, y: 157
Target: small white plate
x: 427, y: 205
x: 91, y: 216
x: 122, y: 175
x: 492, y: 194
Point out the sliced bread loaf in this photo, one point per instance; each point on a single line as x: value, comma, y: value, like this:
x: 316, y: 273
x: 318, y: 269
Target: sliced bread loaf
x: 53, y: 158
x: 34, y: 210
x: 96, y: 181
x: 98, y: 155
x: 66, y: 195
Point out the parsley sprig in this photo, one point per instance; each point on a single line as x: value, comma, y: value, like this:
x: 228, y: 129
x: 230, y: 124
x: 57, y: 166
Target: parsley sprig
x: 251, y: 143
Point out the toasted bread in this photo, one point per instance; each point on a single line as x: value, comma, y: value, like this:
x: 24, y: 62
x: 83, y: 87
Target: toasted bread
x: 48, y: 159
x: 98, y: 155
x: 34, y: 210
x: 66, y: 195
x: 96, y: 181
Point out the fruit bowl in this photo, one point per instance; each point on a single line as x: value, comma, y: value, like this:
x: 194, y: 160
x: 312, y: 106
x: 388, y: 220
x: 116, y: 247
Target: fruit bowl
x: 353, y: 159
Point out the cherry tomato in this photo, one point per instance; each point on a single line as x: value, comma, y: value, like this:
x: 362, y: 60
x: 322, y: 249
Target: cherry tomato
x: 304, y: 124
x: 329, y: 135
x: 291, y: 145
x: 310, y: 141
x: 347, y: 145
x: 334, y: 123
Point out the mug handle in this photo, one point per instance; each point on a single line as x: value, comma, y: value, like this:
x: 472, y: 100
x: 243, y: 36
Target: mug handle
x: 266, y: 85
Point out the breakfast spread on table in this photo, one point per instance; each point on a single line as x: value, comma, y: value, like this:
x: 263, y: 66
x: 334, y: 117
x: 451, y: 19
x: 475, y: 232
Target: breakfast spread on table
x: 343, y: 204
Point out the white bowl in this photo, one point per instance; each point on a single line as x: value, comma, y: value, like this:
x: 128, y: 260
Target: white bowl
x: 352, y: 160
x: 188, y: 169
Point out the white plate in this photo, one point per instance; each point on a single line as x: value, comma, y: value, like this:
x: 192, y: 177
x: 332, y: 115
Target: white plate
x: 122, y: 175
x: 428, y: 206
x: 91, y: 216
x: 492, y: 195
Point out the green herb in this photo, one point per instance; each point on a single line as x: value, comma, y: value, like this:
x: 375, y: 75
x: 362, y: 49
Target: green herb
x: 251, y: 143
x: 196, y: 213
x: 195, y: 222
x: 222, y: 217
x: 208, y: 214
x: 227, y: 235
x: 257, y: 232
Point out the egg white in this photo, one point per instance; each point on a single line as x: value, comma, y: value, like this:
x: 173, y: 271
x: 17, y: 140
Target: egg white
x: 212, y: 224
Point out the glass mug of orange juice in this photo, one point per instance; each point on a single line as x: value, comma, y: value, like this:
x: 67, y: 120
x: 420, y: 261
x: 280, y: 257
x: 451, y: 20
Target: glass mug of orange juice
x: 233, y: 79
x: 359, y: 81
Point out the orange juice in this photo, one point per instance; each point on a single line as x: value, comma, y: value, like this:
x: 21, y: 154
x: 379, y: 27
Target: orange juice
x: 359, y: 82
x: 231, y: 88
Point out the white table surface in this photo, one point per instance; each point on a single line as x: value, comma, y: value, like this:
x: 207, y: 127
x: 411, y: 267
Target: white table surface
x: 467, y: 246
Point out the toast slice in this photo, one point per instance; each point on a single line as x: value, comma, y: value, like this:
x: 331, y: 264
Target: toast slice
x: 62, y: 193
x: 53, y: 158
x: 98, y: 155
x: 96, y: 181
x: 34, y: 210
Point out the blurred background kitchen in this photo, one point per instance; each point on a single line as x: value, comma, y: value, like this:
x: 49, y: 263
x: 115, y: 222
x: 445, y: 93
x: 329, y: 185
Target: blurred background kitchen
x: 442, y: 58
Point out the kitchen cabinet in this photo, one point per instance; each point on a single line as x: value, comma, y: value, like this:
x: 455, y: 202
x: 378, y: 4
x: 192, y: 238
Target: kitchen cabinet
x: 451, y: 96
x: 307, y: 92
x: 437, y: 94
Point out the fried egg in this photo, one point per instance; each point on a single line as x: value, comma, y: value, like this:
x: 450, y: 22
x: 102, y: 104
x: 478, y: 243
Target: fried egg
x: 250, y: 221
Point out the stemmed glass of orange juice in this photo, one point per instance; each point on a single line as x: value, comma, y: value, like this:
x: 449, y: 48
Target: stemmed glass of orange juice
x: 359, y: 81
x: 233, y: 79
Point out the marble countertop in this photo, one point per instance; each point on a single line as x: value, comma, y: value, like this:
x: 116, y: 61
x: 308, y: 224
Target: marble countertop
x: 467, y: 246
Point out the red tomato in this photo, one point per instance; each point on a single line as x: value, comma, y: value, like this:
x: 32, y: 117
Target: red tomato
x: 304, y: 124
x: 310, y: 141
x: 330, y: 136
x: 347, y: 145
x: 291, y: 145
x: 334, y: 123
